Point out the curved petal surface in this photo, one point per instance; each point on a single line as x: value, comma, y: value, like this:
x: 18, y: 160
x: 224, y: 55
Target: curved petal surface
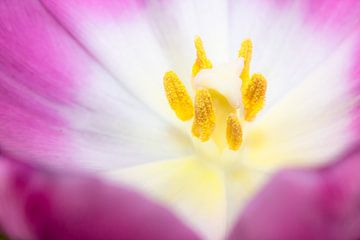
x: 306, y: 204
x: 37, y: 204
x: 60, y: 107
x: 296, y: 43
x: 292, y: 39
x: 313, y: 49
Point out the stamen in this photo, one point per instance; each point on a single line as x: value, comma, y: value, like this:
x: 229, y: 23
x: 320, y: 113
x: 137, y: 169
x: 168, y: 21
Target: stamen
x: 178, y: 97
x: 219, y: 97
x: 204, y: 122
x: 201, y: 61
x: 246, y: 53
x: 254, y: 96
x: 233, y: 132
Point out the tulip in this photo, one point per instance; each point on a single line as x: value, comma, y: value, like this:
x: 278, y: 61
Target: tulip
x: 145, y: 119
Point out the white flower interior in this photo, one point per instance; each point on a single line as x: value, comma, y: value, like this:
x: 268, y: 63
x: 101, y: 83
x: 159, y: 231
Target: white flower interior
x: 209, y: 187
x: 307, y: 106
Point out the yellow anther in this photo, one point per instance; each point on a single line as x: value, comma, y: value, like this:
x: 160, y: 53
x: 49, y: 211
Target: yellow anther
x: 204, y: 122
x: 216, y: 106
x: 246, y: 53
x: 201, y: 61
x: 233, y: 132
x: 254, y: 96
x: 179, y: 99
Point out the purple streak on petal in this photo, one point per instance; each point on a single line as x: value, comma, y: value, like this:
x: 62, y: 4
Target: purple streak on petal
x: 36, y: 204
x: 306, y: 204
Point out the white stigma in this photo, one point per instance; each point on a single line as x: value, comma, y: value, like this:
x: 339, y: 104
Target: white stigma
x: 225, y: 79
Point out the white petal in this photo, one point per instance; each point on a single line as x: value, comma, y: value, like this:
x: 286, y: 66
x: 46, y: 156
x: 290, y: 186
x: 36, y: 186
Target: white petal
x: 114, y: 129
x: 288, y: 46
x: 312, y: 124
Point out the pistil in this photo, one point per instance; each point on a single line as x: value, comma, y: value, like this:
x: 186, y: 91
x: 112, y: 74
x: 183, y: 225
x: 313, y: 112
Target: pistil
x: 225, y: 96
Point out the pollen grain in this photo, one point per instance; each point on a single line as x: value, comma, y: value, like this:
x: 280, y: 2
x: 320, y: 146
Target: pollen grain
x: 233, y: 132
x: 254, y: 96
x: 201, y: 62
x: 204, y: 121
x: 178, y: 97
x: 246, y: 53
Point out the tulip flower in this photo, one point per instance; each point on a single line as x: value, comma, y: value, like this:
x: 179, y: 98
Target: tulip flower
x: 149, y: 119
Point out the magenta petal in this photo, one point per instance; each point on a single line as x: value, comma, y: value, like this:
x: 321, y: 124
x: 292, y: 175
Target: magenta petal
x: 110, y: 8
x: 312, y: 205
x: 35, y: 81
x: 35, y: 204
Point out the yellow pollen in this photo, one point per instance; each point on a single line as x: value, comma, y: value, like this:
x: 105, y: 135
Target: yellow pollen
x: 201, y: 61
x: 178, y: 98
x: 204, y: 122
x: 233, y: 132
x: 246, y: 53
x: 217, y: 116
x: 254, y: 96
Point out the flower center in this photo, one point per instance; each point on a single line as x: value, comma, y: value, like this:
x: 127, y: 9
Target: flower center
x: 226, y: 97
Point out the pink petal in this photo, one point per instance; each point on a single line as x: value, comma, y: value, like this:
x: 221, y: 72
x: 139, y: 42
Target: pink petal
x: 38, y: 204
x: 306, y: 204
x: 355, y: 82
x: 34, y: 76
x: 334, y: 15
x: 60, y: 107
x: 110, y: 8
